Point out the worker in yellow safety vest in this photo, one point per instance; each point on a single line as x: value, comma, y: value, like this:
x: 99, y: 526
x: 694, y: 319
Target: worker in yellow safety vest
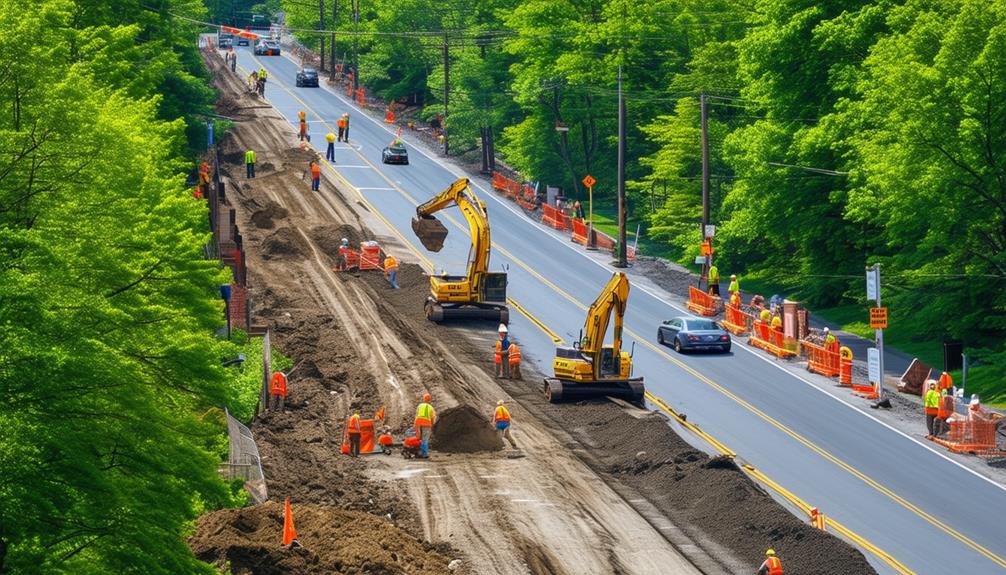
x: 330, y: 151
x: 735, y: 286
x: 771, y: 565
x: 735, y: 300
x: 714, y: 280
x: 765, y: 316
x: 513, y: 358
x: 425, y: 418
x: 777, y: 323
x: 932, y: 405
x: 390, y: 270
x: 250, y: 163
x: 501, y: 421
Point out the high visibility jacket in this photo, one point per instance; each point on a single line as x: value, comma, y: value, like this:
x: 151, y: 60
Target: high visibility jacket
x: 514, y: 354
x: 303, y: 126
x: 302, y: 116
x: 734, y: 286
x: 315, y: 171
x: 714, y: 275
x: 946, y: 406
x: 946, y: 382
x: 341, y: 123
x: 932, y: 402
x: 765, y: 315
x: 425, y: 416
x: 263, y: 74
x: 250, y: 157
x: 776, y: 322
x: 330, y: 137
x: 771, y: 566
x: 353, y: 425
x: 829, y: 339
x: 204, y: 169
x: 390, y: 264
x: 501, y: 414
x: 277, y: 386
x: 735, y: 299
x: 498, y: 354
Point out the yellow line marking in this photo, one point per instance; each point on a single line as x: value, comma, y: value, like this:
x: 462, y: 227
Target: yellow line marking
x: 556, y: 338
x: 720, y: 447
x: 799, y: 438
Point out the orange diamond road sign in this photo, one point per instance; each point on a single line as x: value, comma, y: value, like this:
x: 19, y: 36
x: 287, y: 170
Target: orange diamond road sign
x: 878, y: 318
x: 589, y: 181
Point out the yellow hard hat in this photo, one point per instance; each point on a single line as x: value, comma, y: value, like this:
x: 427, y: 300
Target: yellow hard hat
x: 770, y: 552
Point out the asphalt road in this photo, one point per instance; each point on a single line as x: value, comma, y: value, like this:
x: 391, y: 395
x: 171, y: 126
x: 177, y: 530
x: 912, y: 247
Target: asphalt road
x: 928, y: 512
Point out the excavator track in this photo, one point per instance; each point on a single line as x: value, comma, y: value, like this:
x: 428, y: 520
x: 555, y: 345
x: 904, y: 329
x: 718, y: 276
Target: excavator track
x: 631, y: 390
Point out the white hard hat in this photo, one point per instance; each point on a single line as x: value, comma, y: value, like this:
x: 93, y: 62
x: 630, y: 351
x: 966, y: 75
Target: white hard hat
x: 974, y: 399
x: 500, y: 402
x: 345, y: 241
x: 503, y: 328
x: 826, y: 330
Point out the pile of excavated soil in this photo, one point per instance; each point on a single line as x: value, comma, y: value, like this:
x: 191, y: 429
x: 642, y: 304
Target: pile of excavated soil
x: 284, y: 242
x: 333, y: 541
x: 329, y: 238
x: 461, y: 429
x: 669, y: 276
x: 265, y: 217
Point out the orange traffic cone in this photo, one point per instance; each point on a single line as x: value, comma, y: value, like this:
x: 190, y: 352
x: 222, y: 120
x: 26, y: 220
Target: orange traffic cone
x: 389, y: 116
x: 289, y: 531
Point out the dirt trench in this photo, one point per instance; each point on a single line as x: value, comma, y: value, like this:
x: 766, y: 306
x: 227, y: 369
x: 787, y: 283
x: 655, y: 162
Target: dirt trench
x: 542, y: 513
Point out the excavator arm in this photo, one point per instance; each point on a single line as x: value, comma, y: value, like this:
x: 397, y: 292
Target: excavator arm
x: 610, y: 302
x: 432, y: 233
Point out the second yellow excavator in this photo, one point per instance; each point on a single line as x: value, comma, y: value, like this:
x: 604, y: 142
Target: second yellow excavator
x: 480, y: 294
x: 590, y: 368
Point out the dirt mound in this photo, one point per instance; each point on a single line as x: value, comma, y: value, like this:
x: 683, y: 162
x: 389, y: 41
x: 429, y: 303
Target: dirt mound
x: 333, y: 541
x: 264, y: 218
x: 329, y: 238
x: 284, y: 242
x: 463, y: 430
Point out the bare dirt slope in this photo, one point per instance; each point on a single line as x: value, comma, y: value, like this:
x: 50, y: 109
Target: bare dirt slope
x: 543, y: 513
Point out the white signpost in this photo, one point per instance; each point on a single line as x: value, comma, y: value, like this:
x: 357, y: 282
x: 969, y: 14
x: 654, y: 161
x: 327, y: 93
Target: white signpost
x: 875, y: 355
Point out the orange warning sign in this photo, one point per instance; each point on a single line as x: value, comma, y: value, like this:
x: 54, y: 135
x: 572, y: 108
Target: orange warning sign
x: 878, y: 318
x: 589, y: 181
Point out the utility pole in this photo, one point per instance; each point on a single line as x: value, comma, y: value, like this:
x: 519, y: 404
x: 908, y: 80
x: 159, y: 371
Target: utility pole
x: 356, y: 46
x: 447, y: 91
x: 335, y: 24
x: 880, y: 341
x: 705, y: 179
x: 321, y: 37
x: 622, y: 252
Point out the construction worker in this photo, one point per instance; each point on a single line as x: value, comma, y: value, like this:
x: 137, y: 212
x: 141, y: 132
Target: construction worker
x: 425, y: 418
x: 253, y: 81
x: 513, y: 360
x: 765, y: 316
x: 735, y: 300
x: 315, y: 176
x: 501, y: 421
x: 262, y: 77
x: 343, y: 252
x: 776, y: 322
x: 204, y: 173
x: 346, y: 117
x: 932, y: 406
x: 302, y: 135
x: 390, y: 270
x: 341, y: 124
x: 714, y: 280
x: 352, y: 435
x: 233, y: 58
x: 501, y: 355
x: 735, y: 285
x: 250, y: 163
x: 277, y: 391
x: 946, y: 383
x: 330, y: 151
x: 577, y: 209
x: 771, y: 565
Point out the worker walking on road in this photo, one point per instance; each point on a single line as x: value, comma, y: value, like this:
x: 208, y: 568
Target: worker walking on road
x: 932, y: 405
x: 390, y: 270
x: 315, y: 176
x: 302, y: 134
x: 425, y: 418
x: 250, y: 163
x: 330, y: 151
x: 513, y: 360
x: 341, y: 124
x: 345, y: 117
x: 277, y: 391
x: 501, y: 421
x: 501, y: 354
x: 352, y: 434
x: 714, y: 280
x: 771, y: 565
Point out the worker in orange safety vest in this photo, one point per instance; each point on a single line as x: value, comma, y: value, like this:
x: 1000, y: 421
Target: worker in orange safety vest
x: 391, y: 270
x: 771, y: 565
x: 513, y: 359
x: 501, y: 421
x: 501, y: 353
x: 425, y: 418
x: 946, y: 383
x: 315, y: 176
x: 352, y: 434
x: 204, y: 173
x: 277, y: 391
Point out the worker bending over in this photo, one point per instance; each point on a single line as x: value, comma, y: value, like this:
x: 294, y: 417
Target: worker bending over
x: 425, y: 418
x: 352, y: 434
x: 771, y: 565
x: 501, y: 420
x: 277, y: 391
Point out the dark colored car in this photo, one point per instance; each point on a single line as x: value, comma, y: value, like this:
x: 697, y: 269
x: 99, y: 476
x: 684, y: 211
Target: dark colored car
x: 242, y: 41
x: 266, y: 48
x: 307, y: 77
x: 395, y: 154
x: 225, y: 42
x: 689, y: 333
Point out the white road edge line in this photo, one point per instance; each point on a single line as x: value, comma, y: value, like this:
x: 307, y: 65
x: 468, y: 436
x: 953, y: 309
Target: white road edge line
x: 461, y: 173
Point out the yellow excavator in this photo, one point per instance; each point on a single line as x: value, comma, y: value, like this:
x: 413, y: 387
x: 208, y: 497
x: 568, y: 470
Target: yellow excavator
x: 590, y: 368
x: 480, y: 294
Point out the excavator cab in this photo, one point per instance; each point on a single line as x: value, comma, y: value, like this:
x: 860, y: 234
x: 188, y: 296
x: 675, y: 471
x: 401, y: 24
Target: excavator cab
x: 589, y: 368
x: 479, y: 294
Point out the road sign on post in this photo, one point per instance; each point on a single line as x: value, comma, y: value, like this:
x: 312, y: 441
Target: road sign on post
x: 871, y: 284
x: 878, y: 318
x: 710, y: 231
x: 878, y: 321
x: 873, y: 363
x: 589, y: 181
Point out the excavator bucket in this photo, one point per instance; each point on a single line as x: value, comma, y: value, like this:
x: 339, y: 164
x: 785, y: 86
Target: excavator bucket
x: 430, y: 232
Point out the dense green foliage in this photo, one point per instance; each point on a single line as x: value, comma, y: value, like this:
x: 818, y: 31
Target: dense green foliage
x: 109, y: 370
x: 900, y: 103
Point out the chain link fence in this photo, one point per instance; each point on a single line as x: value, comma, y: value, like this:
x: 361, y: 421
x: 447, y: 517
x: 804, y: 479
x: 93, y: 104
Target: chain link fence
x: 243, y: 461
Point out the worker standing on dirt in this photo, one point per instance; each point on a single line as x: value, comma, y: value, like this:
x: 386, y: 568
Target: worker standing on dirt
x: 250, y: 163
x: 932, y: 406
x: 390, y: 270
x: 352, y: 435
x: 425, y: 418
x: 345, y: 117
x: 330, y: 151
x: 502, y: 352
x: 233, y: 59
x: 341, y: 124
x: 315, y: 176
x: 513, y: 359
x: 253, y: 81
x: 714, y: 280
x: 501, y: 421
x: 204, y: 173
x: 277, y: 391
x: 771, y: 565
x: 262, y: 76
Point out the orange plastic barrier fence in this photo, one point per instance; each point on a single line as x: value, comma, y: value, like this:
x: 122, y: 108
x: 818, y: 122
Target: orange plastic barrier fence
x: 370, y: 258
x: 360, y: 96
x: 737, y: 321
x: 389, y: 116
x: 348, y: 259
x: 867, y: 391
x: 554, y: 218
x: 603, y: 241
x: 821, y: 360
x: 772, y: 341
x: 974, y: 435
x: 630, y: 254
x: 845, y: 366
x: 367, y: 441
x: 522, y: 194
x: 700, y: 302
x: 579, y: 232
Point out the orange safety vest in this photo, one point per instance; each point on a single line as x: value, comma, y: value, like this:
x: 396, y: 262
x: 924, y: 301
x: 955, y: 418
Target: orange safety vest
x: 390, y: 264
x: 501, y: 414
x: 315, y: 171
x: 302, y: 116
x: 774, y: 566
x: 353, y: 425
x: 514, y: 354
x: 341, y: 123
x: 277, y: 386
x: 498, y: 355
x: 204, y: 172
x: 946, y: 382
x: 425, y: 415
